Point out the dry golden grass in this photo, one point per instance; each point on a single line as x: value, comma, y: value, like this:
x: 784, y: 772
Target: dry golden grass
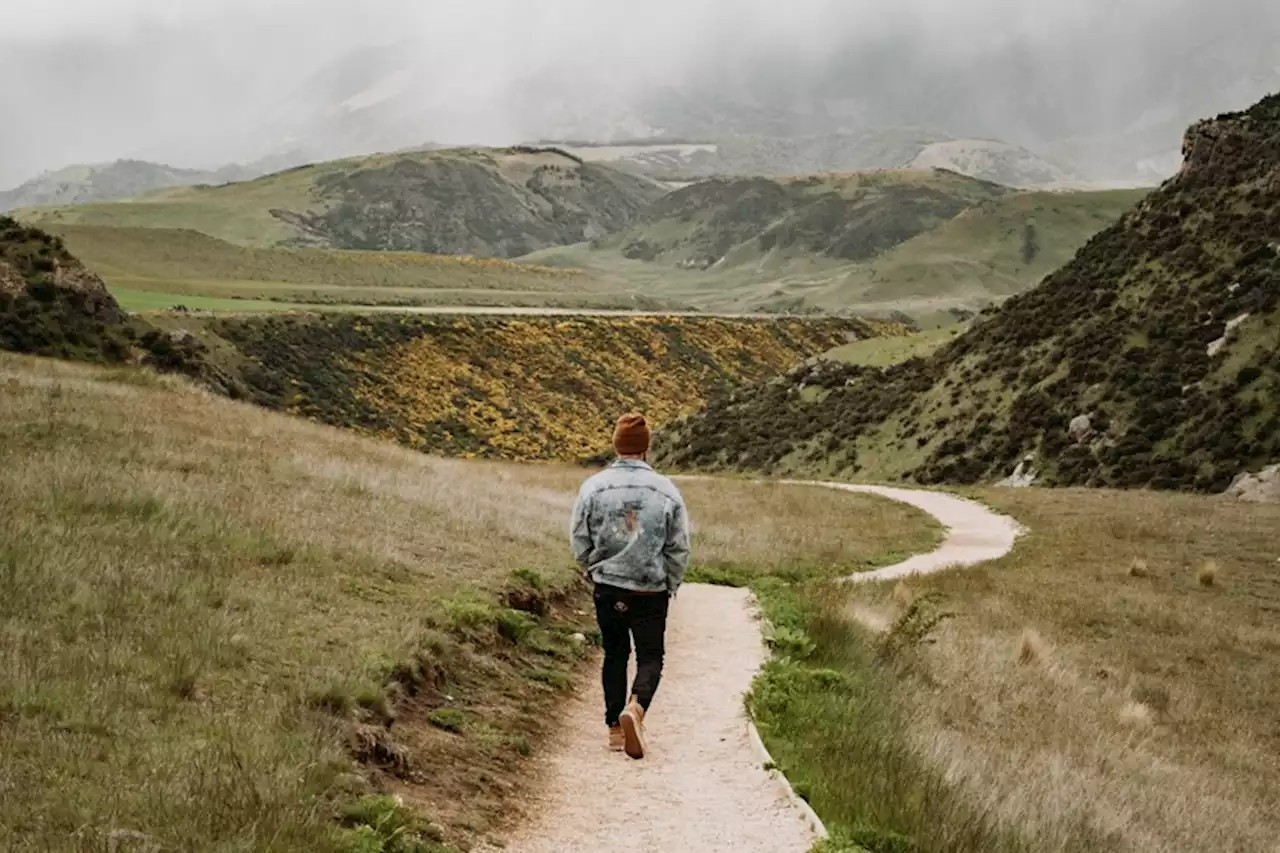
x: 1031, y: 648
x: 183, y: 580
x: 1208, y: 574
x: 1152, y: 725
x: 743, y: 529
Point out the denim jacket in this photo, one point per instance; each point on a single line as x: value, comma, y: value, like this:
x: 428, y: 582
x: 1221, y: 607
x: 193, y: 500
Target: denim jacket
x: 630, y: 529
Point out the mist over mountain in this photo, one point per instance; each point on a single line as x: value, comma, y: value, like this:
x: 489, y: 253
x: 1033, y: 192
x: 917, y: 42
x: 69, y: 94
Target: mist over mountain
x: 1102, y: 89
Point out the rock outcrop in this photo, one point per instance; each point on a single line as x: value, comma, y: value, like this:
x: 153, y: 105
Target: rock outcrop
x: 1262, y: 487
x: 50, y: 304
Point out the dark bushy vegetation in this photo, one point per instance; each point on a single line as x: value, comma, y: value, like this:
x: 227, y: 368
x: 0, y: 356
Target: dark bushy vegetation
x: 50, y: 305
x: 1121, y: 334
x: 851, y: 217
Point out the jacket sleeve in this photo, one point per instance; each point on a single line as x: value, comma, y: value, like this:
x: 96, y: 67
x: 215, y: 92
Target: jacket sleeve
x: 675, y: 552
x: 580, y: 538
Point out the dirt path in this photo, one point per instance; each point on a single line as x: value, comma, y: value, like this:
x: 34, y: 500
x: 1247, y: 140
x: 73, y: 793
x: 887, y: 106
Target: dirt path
x: 703, y: 787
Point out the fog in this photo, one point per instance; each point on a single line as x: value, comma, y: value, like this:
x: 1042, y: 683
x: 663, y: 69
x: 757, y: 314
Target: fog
x: 204, y: 82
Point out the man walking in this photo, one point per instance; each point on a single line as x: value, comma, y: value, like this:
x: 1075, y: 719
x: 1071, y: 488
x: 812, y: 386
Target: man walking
x: 630, y: 535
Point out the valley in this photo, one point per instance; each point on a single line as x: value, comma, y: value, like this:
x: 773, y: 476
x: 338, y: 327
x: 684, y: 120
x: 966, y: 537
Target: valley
x: 427, y: 230
x: 969, y: 381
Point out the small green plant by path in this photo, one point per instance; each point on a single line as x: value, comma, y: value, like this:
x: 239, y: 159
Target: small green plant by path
x: 383, y: 824
x: 827, y: 708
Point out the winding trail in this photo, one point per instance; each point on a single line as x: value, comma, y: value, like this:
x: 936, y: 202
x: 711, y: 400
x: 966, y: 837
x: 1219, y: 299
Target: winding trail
x: 703, y: 787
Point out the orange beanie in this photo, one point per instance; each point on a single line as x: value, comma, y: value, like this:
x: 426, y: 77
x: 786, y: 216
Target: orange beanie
x: 631, y: 436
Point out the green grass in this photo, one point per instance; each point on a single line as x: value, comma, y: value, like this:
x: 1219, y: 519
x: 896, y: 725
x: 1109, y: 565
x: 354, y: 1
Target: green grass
x: 828, y: 709
x: 167, y: 254
x: 886, y: 351
x: 150, y: 300
x: 150, y: 269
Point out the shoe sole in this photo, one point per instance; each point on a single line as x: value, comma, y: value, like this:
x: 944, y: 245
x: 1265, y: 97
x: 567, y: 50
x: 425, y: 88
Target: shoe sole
x: 632, y: 737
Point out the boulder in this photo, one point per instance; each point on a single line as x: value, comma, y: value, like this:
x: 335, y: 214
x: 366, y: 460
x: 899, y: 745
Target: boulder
x: 1023, y: 476
x: 1081, y: 429
x: 1262, y: 487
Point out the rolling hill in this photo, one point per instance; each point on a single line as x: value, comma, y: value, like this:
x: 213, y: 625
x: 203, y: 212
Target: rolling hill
x: 123, y: 179
x: 1148, y: 360
x: 499, y: 203
x: 850, y: 217
x: 928, y: 244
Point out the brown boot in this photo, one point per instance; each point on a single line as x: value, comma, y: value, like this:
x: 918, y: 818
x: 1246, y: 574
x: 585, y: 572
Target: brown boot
x: 616, y: 739
x: 632, y: 722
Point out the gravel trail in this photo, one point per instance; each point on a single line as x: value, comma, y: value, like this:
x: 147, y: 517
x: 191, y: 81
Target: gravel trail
x: 703, y: 787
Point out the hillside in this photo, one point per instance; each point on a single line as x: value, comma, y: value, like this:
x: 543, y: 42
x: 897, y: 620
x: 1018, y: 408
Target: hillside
x: 932, y: 246
x: 51, y: 305
x: 514, y: 388
x: 850, y: 217
x: 1148, y: 360
x: 123, y: 179
x: 989, y: 252
x: 466, y: 201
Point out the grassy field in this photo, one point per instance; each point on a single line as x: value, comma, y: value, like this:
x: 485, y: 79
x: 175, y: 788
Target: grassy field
x: 1109, y: 686
x: 224, y: 629
x: 157, y: 268
x: 143, y: 301
x: 890, y: 350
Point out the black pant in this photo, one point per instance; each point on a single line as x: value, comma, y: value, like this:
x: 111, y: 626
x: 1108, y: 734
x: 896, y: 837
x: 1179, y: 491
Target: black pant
x: 622, y: 615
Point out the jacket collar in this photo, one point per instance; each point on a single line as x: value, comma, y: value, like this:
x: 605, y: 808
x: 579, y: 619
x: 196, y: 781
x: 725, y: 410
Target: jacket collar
x: 631, y: 463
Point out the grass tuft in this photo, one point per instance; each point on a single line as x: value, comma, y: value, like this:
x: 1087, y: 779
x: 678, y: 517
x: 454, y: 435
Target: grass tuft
x: 448, y: 719
x: 1208, y: 573
x: 1138, y: 569
x: 1136, y: 715
x: 1031, y: 648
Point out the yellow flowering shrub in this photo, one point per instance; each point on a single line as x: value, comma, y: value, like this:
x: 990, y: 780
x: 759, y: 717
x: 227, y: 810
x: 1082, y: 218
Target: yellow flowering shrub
x: 521, y: 388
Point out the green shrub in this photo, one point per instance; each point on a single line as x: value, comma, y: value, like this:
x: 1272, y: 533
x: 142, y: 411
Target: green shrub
x: 382, y: 824
x: 448, y: 719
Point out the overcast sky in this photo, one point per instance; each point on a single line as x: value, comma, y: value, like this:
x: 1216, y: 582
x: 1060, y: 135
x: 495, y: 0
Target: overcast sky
x: 191, y: 81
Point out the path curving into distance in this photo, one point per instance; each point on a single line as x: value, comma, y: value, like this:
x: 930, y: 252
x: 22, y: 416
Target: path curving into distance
x: 703, y: 788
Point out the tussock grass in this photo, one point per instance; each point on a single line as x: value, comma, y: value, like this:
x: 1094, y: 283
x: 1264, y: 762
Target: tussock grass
x: 1139, y: 569
x: 1208, y: 573
x: 220, y: 627
x: 1031, y: 648
x: 1152, y: 726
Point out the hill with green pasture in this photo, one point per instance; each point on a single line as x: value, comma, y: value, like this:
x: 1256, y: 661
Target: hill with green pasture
x: 499, y: 203
x: 931, y: 245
